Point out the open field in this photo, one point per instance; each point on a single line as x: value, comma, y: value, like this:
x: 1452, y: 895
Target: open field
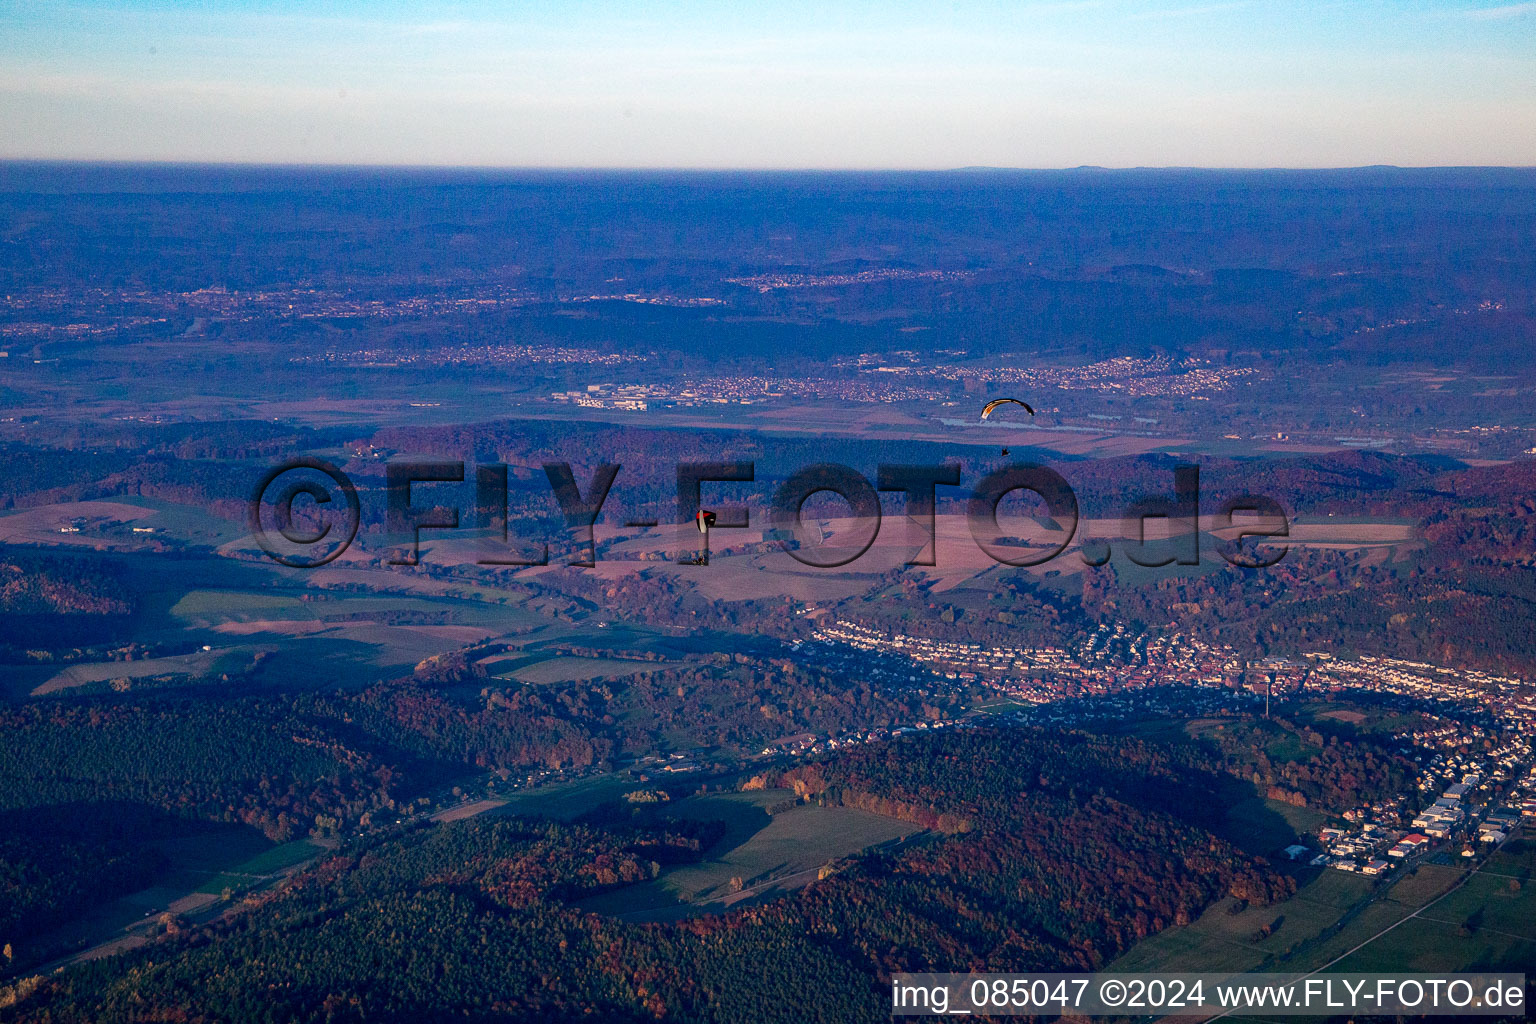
x: 468, y: 810
x: 1430, y: 944
x: 568, y: 669
x: 1489, y: 923
x: 214, y: 849
x: 211, y: 608
x: 239, y: 609
x: 1221, y: 940
x: 98, y: 523
x: 799, y: 840
x: 772, y: 854
x: 568, y: 800
x: 1263, y: 826
x: 273, y: 861
x: 200, y: 865
x: 192, y: 524
x: 1335, y: 912
x: 197, y: 663
x: 369, y: 637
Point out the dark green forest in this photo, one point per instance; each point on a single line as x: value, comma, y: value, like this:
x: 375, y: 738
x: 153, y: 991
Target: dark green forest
x: 1048, y: 852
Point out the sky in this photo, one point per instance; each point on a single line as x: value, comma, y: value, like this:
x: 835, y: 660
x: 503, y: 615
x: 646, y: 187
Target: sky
x: 774, y: 83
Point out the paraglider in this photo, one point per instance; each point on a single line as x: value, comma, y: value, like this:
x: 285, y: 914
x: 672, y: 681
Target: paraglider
x: 993, y: 405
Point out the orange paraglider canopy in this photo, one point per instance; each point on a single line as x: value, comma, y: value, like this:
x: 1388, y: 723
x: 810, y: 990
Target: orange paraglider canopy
x: 992, y: 406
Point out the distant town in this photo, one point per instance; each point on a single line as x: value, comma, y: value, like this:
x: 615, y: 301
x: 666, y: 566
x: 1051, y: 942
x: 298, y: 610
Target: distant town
x: 1480, y: 743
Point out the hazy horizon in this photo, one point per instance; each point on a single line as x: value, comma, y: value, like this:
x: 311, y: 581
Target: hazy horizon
x: 741, y: 169
x: 1046, y: 84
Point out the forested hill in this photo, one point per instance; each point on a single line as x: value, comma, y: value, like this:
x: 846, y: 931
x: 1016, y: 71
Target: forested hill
x: 1050, y: 852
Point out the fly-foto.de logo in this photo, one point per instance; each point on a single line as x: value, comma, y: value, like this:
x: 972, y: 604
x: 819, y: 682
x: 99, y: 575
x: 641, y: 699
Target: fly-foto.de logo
x: 306, y: 512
